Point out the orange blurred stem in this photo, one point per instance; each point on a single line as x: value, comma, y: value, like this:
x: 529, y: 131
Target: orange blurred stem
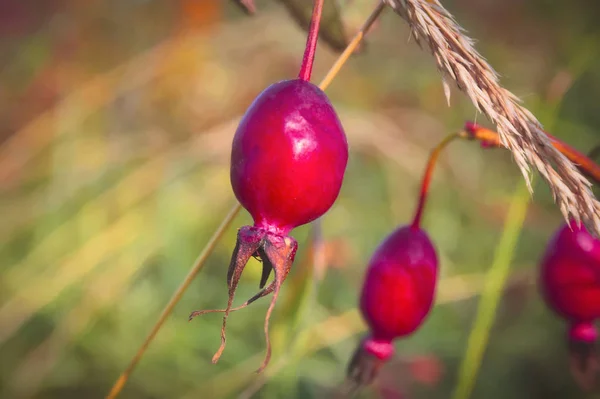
x: 433, y: 157
x: 490, y: 138
x: 311, y: 42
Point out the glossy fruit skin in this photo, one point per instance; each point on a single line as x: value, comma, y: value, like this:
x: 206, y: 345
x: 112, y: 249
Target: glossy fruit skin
x: 289, y: 156
x: 570, y: 285
x: 570, y: 274
x: 397, y: 295
x: 400, y: 283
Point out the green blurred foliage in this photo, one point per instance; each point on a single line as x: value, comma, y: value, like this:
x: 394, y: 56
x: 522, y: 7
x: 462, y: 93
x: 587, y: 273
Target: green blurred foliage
x: 116, y: 121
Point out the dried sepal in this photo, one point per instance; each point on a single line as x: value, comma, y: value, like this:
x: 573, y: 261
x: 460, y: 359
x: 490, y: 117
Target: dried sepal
x: 370, y: 355
x: 362, y: 371
x: 584, y: 364
x: 277, y: 254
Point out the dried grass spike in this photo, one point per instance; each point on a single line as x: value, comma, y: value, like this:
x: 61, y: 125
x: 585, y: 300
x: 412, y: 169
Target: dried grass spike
x: 456, y: 58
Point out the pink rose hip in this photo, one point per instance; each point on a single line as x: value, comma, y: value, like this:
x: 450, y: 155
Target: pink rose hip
x: 397, y: 295
x: 570, y: 284
x: 288, y: 158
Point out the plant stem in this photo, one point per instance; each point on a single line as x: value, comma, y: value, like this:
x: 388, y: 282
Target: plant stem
x: 584, y: 163
x: 311, y: 41
x: 198, y: 264
x: 335, y: 68
x: 433, y: 157
x: 495, y: 282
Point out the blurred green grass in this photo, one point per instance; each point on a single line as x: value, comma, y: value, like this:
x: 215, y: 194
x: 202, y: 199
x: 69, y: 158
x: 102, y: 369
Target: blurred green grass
x: 116, y: 122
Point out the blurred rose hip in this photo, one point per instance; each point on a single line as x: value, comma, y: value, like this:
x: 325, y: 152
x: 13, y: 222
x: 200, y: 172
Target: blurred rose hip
x: 397, y: 294
x: 570, y: 284
x: 398, y: 288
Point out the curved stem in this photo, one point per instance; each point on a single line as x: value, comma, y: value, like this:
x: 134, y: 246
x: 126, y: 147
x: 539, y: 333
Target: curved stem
x: 584, y: 163
x: 335, y: 68
x: 433, y: 157
x: 311, y: 41
x: 198, y: 264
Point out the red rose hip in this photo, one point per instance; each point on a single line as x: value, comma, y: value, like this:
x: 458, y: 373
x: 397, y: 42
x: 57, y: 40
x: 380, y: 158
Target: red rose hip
x: 399, y: 284
x: 288, y: 159
x: 398, y: 288
x: 397, y: 294
x: 570, y: 285
x: 289, y: 156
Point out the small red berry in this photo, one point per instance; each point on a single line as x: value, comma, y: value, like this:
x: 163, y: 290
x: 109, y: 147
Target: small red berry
x: 570, y: 284
x: 398, y: 292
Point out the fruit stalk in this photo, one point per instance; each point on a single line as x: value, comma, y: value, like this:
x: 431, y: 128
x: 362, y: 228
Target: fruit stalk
x: 335, y: 68
x: 311, y: 42
x: 585, y: 164
x: 431, y: 163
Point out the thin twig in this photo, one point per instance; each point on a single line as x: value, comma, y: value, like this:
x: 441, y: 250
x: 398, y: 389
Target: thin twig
x: 495, y: 284
x: 584, y: 163
x: 198, y: 264
x: 519, y: 130
x: 364, y: 29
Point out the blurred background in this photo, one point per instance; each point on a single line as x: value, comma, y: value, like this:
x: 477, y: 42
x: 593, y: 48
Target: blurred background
x: 116, y: 119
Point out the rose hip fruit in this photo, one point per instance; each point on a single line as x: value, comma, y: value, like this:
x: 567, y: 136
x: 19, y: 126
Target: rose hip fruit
x: 397, y: 294
x: 289, y: 156
x: 288, y: 159
x: 398, y: 288
x: 570, y: 284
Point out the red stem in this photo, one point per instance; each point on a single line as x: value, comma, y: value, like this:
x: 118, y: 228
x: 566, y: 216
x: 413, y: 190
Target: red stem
x: 489, y: 138
x: 581, y: 161
x: 433, y: 157
x: 311, y: 42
